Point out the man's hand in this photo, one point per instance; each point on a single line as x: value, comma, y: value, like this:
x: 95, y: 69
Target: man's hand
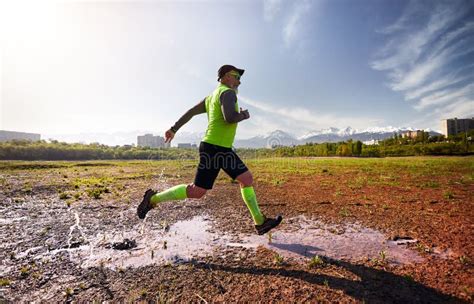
x: 245, y: 114
x: 169, y: 135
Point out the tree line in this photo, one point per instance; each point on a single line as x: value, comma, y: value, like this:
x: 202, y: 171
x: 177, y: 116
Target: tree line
x: 54, y: 150
x: 397, y: 145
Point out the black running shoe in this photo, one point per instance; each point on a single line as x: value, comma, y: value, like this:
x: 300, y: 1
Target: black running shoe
x: 268, y: 224
x: 145, y: 205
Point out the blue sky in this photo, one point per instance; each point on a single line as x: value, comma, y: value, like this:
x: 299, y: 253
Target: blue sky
x: 103, y: 66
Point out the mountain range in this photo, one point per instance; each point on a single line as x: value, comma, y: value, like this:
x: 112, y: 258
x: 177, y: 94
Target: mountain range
x: 275, y: 138
x: 280, y: 138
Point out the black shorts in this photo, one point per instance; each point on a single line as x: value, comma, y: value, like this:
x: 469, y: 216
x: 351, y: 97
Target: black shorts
x: 212, y: 158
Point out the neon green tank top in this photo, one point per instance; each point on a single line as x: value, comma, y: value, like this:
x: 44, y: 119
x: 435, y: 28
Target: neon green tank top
x: 219, y: 132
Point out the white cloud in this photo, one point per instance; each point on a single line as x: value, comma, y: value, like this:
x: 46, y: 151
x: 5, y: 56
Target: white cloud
x: 291, y: 16
x: 433, y: 86
x: 402, y: 22
x: 445, y: 96
x: 417, y: 75
x: 451, y: 37
x: 293, y: 25
x: 407, y: 46
x: 463, y: 108
x: 420, y: 54
x: 272, y: 117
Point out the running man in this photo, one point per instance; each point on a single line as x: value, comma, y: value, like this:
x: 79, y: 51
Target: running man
x: 215, y: 151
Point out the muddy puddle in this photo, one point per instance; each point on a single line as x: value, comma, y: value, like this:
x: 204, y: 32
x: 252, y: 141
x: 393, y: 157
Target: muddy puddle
x: 152, y: 243
x: 301, y: 238
x: 145, y: 244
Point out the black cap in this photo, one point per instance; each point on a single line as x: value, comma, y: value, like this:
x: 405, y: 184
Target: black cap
x: 227, y: 68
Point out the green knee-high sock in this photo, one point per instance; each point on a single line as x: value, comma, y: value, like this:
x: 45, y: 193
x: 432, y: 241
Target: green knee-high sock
x: 175, y: 193
x: 250, y: 199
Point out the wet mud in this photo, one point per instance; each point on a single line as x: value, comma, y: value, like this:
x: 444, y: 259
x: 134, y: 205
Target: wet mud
x: 329, y: 248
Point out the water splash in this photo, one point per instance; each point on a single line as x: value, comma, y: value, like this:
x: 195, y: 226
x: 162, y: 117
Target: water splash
x: 77, y: 225
x: 180, y: 242
x: 143, y: 225
x: 161, y: 175
x: 161, y: 181
x: 298, y: 238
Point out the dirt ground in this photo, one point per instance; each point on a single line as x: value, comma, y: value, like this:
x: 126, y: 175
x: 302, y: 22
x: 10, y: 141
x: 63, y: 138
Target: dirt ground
x: 50, y: 208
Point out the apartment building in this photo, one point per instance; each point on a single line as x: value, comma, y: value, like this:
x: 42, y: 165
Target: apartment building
x: 412, y: 134
x: 149, y: 140
x: 455, y: 126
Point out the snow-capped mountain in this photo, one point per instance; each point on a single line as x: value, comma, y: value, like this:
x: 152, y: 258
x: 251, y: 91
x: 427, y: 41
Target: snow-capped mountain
x: 281, y: 138
x: 318, y: 132
x: 348, y: 131
x: 366, y: 135
x: 388, y: 129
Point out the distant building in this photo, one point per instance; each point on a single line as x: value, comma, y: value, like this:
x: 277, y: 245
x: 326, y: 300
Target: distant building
x: 455, y: 126
x: 12, y: 135
x: 412, y: 134
x: 371, y: 142
x: 148, y: 140
x: 187, y: 146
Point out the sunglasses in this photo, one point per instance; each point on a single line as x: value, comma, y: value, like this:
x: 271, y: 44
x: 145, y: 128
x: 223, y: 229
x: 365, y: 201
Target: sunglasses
x: 236, y: 75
